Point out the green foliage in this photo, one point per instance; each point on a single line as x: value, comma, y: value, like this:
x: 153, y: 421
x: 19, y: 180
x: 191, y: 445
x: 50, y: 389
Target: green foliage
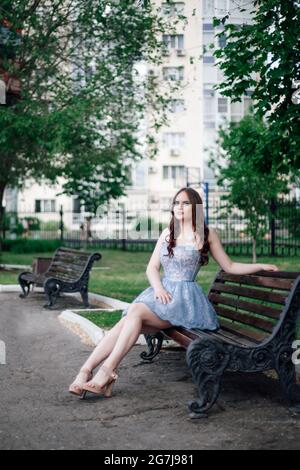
x: 22, y: 245
x: 264, y: 56
x: 51, y: 226
x: 289, y: 212
x: 82, y: 96
x: 243, y: 144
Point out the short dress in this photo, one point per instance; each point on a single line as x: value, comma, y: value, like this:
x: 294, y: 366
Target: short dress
x: 189, y: 306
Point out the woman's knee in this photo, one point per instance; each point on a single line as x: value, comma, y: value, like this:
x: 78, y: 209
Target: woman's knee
x: 136, y: 311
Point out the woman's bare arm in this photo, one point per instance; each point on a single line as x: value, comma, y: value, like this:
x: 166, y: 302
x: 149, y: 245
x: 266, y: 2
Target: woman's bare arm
x: 229, y: 266
x: 153, y: 268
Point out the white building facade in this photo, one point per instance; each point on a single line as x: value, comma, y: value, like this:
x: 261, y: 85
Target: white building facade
x: 195, y: 114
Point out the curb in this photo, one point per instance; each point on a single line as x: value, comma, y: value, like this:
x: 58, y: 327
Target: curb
x: 15, y: 266
x: 16, y: 288
x: 89, y: 333
x: 115, y: 303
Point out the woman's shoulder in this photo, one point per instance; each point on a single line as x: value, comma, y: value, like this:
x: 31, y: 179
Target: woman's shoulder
x: 165, y: 233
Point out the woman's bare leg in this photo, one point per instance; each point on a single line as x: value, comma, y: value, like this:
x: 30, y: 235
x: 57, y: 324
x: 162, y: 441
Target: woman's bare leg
x: 139, y: 318
x: 107, y: 344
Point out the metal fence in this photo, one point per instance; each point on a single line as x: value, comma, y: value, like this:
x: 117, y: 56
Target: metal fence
x: 112, y: 229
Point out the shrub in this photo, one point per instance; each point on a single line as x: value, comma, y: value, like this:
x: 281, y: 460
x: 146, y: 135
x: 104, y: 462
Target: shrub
x: 30, y: 246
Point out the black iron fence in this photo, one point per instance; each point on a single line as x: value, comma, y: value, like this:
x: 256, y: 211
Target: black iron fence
x: 135, y: 231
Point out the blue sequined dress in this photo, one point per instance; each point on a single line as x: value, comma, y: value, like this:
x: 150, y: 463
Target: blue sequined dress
x: 189, y: 306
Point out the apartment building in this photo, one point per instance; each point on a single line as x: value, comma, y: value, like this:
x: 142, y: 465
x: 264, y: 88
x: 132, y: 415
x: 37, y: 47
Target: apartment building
x: 195, y: 113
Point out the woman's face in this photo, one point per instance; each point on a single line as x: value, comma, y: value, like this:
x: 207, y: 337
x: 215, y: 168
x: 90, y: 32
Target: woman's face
x: 182, y: 207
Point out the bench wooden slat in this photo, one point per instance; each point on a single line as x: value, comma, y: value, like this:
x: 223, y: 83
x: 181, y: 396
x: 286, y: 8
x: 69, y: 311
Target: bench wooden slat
x: 280, y: 274
x: 61, y: 275
x: 66, y: 268
x: 262, y: 281
x: 81, y: 262
x: 269, y: 296
x: 251, y: 335
x: 178, y: 336
x: 252, y: 307
x: 245, y: 318
x: 219, y: 334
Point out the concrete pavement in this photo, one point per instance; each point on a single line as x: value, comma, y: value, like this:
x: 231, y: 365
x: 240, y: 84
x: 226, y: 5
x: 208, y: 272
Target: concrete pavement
x: 148, y: 409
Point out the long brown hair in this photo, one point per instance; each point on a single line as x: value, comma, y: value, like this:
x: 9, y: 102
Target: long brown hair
x: 195, y: 199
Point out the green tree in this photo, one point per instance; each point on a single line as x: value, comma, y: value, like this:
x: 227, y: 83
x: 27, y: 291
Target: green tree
x: 265, y: 56
x: 82, y: 95
x: 241, y: 146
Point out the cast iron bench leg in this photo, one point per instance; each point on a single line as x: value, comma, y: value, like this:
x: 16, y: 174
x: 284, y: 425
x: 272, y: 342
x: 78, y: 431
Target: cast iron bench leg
x: 25, y: 286
x: 51, y: 288
x: 287, y: 376
x: 154, y: 343
x: 207, y: 361
x: 85, y: 296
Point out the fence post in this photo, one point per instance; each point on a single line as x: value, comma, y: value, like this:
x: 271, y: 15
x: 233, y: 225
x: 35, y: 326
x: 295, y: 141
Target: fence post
x: 124, y: 247
x: 206, y: 190
x: 61, y: 223
x: 272, y: 226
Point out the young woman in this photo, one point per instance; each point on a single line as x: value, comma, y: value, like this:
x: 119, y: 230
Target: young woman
x: 176, y: 299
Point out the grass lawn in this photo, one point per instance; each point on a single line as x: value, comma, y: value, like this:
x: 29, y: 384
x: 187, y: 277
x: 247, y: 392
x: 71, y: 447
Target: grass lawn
x: 125, y: 277
x: 104, y: 319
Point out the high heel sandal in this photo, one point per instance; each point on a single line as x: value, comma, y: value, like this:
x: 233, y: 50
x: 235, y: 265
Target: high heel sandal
x: 106, y: 389
x: 76, y: 388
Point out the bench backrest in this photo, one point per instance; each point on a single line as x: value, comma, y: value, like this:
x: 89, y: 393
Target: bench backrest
x: 252, y: 305
x: 69, y: 265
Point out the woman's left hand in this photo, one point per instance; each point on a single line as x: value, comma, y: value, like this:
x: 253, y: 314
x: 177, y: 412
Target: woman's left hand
x: 269, y: 267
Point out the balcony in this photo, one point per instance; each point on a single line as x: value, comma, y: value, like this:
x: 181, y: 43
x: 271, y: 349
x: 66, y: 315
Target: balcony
x: 175, y: 152
x: 181, y: 53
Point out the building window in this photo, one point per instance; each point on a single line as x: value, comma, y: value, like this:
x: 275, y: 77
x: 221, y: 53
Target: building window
x: 173, y: 41
x: 208, y: 27
x: 209, y: 108
x: 208, y: 8
x: 247, y: 104
x: 177, y: 106
x: 216, y: 7
x: 222, y: 105
x: 173, y: 8
x: 174, y: 139
x: 221, y: 6
x: 173, y: 172
x: 209, y: 125
x: 222, y: 41
x: 76, y: 206
x: 208, y: 60
x: 38, y: 206
x: 45, y: 205
x: 173, y: 73
x: 236, y: 111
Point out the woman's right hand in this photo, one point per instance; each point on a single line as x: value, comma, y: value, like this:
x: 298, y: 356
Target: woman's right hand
x: 162, y: 295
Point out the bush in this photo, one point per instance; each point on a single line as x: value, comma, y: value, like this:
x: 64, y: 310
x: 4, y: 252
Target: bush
x: 30, y: 246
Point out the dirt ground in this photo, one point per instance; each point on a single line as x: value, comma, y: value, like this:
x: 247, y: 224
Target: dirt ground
x: 148, y: 409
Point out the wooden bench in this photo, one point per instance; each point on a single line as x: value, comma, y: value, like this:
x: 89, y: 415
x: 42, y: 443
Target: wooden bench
x: 257, y: 316
x: 68, y: 272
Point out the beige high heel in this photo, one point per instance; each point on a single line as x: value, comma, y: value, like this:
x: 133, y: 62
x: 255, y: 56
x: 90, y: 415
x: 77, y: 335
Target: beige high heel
x: 106, y: 389
x: 76, y: 388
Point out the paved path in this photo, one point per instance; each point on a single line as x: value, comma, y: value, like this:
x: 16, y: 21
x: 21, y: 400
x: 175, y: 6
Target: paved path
x: 148, y: 409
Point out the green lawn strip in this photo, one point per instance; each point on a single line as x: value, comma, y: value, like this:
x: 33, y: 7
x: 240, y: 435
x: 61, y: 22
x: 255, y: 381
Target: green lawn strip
x: 9, y: 277
x: 103, y: 319
x: 125, y: 277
